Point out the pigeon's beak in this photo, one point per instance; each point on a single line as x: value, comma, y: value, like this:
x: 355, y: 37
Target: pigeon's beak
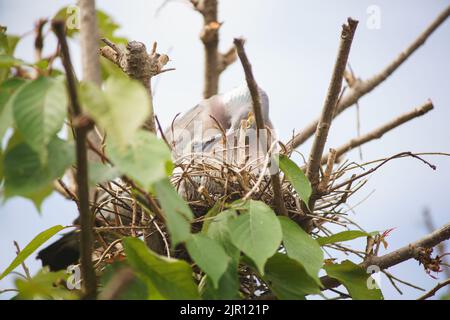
x: 250, y: 120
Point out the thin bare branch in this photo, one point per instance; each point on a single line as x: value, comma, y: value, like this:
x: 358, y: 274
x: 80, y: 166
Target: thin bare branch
x: 251, y: 83
x: 380, y: 131
x: 398, y: 256
x: 254, y: 91
x: 362, y: 87
x: 24, y: 267
x: 86, y: 223
x: 348, y: 31
x: 433, y: 291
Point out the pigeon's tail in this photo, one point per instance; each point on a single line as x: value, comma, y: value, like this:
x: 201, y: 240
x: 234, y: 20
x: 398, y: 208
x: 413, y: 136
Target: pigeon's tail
x: 62, y: 253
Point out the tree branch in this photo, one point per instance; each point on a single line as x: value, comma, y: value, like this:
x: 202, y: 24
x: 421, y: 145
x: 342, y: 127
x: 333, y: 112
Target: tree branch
x: 398, y: 256
x: 89, y: 37
x: 215, y: 62
x: 260, y: 124
x: 210, y: 39
x: 433, y: 291
x: 139, y: 65
x: 379, y: 132
x: 251, y: 83
x: 334, y: 90
x: 360, y: 87
x: 86, y: 221
x: 226, y: 59
x: 430, y: 227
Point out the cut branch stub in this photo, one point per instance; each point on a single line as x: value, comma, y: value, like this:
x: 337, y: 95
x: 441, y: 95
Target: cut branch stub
x: 135, y: 61
x: 137, y: 64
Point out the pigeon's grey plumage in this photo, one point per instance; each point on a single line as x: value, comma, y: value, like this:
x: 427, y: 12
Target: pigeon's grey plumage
x: 200, y: 125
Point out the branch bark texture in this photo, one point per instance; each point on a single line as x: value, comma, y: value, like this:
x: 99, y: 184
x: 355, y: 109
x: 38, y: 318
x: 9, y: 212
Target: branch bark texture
x: 260, y: 124
x: 139, y: 65
x: 334, y: 90
x: 215, y: 62
x: 81, y: 131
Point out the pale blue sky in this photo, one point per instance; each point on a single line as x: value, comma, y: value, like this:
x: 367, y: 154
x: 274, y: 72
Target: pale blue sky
x: 292, y: 46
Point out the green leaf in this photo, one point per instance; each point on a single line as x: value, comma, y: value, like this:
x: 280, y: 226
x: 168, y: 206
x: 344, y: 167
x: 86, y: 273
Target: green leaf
x: 171, y: 278
x: 354, y: 279
x: 8, y: 89
x: 109, y: 69
x: 288, y: 279
x: 26, y: 176
x: 70, y: 15
x: 136, y: 290
x: 39, y: 109
x: 256, y: 232
x: 209, y: 216
x: 209, y: 256
x: 296, y: 176
x: 1, y: 166
x: 12, y: 43
x: 4, y: 45
x: 146, y: 160
x: 218, y: 229
x: 302, y: 248
x: 343, y: 236
x: 7, y: 61
x: 228, y: 288
x: 99, y: 173
x: 176, y: 211
x: 107, y: 27
x: 7, y: 46
x: 39, y: 196
x: 31, y: 247
x: 45, y: 285
x: 121, y: 109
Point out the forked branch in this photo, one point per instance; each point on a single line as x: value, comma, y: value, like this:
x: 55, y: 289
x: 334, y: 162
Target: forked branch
x: 362, y: 87
x: 215, y: 62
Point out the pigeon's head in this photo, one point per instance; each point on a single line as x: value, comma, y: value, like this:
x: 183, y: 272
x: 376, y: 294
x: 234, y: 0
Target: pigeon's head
x: 239, y: 105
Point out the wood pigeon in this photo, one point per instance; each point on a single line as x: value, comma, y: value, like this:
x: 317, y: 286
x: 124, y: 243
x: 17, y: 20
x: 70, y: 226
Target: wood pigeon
x: 200, y: 128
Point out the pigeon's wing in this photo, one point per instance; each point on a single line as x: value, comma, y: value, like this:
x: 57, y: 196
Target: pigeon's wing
x: 182, y: 122
x: 198, y: 125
